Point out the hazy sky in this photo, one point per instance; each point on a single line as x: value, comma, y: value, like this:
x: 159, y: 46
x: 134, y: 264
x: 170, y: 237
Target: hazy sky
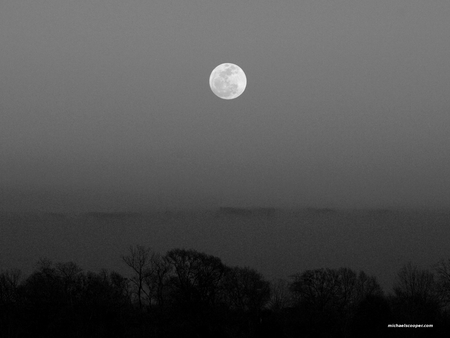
x: 347, y: 102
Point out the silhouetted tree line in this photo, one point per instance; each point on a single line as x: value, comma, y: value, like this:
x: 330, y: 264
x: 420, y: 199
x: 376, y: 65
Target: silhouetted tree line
x: 187, y: 293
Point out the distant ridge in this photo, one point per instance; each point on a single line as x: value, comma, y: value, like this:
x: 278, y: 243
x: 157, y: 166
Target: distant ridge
x: 112, y: 215
x: 321, y: 210
x: 261, y: 211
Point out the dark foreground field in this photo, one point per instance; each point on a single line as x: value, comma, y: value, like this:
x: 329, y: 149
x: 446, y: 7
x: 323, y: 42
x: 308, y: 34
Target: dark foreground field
x: 225, y: 273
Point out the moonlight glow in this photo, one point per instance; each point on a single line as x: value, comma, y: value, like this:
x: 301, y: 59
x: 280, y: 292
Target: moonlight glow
x: 228, y: 81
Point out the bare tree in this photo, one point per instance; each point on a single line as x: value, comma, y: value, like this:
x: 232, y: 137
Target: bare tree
x: 414, y: 283
x: 9, y: 282
x: 416, y: 294
x: 341, y: 288
x: 328, y: 298
x: 246, y: 292
x: 280, y: 295
x: 121, y: 285
x: 316, y: 289
x: 70, y: 275
x: 443, y: 283
x: 246, y: 289
x: 196, y: 276
x: 157, y: 278
x: 367, y: 286
x: 9, y: 302
x: 347, y: 282
x: 139, y: 260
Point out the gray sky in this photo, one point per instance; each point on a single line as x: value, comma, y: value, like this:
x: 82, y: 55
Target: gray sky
x: 347, y: 102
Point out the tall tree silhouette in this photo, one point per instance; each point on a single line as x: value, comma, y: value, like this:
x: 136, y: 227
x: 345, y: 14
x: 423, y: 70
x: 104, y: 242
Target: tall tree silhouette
x: 246, y: 289
x: 196, y: 275
x: 443, y: 283
x: 9, y: 301
x: 246, y: 293
x: 280, y: 295
x: 157, y: 279
x: 139, y: 260
x: 326, y: 299
x: 194, y: 293
x: 416, y: 295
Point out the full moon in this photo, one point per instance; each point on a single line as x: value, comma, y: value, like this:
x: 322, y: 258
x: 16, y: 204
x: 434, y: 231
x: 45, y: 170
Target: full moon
x: 228, y: 81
